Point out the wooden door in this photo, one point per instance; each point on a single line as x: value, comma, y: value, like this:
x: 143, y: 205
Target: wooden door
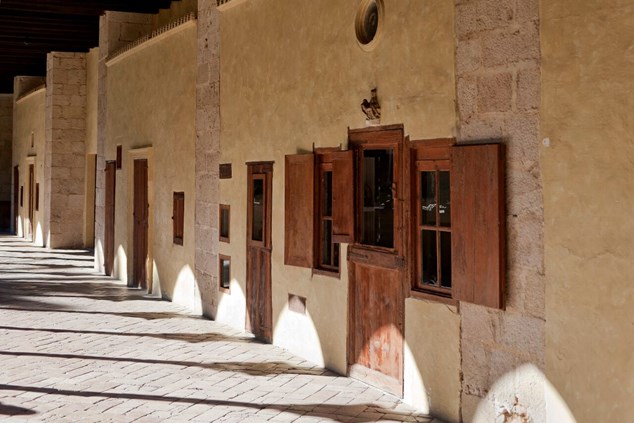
x: 259, y: 319
x: 31, y: 225
x: 377, y: 267
x: 141, y: 221
x: 16, y: 199
x: 108, y: 249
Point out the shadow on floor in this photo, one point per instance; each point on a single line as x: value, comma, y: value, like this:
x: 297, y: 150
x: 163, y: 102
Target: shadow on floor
x: 249, y: 368
x: 135, y: 315
x: 192, y: 338
x: 333, y: 412
x: 12, y: 410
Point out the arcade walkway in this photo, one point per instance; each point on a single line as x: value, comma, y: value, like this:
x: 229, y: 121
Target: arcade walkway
x: 75, y: 347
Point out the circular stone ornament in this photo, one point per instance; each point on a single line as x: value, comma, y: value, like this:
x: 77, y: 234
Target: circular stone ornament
x: 368, y: 23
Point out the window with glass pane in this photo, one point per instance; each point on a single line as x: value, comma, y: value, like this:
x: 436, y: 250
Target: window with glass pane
x: 257, y: 231
x: 434, y: 227
x: 378, y: 204
x: 328, y: 250
x: 225, y: 272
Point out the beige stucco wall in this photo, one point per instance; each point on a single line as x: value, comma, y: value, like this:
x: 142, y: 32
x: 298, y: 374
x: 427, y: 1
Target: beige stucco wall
x: 587, y: 96
x: 29, y: 121
x: 151, y: 102
x: 292, y: 74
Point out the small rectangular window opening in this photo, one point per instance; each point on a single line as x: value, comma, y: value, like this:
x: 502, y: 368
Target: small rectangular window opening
x: 178, y: 217
x: 225, y: 218
x: 225, y: 272
x: 119, y: 157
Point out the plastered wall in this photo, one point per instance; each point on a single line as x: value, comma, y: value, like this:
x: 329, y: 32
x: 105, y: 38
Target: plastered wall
x: 29, y: 125
x: 588, y: 86
x: 151, y: 103
x: 293, y: 75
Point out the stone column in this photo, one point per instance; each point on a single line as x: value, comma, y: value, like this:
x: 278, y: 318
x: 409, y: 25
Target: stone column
x: 6, y: 151
x: 116, y: 29
x: 64, y: 163
x: 498, y: 88
x: 207, y: 154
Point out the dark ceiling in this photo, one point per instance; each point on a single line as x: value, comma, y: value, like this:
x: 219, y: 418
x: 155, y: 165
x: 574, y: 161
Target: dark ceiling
x: 31, y: 28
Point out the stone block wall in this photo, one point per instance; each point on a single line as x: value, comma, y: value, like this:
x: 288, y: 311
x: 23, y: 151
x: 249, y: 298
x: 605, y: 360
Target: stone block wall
x: 116, y: 29
x: 65, y: 149
x: 498, y: 91
x: 6, y: 136
x: 207, y: 153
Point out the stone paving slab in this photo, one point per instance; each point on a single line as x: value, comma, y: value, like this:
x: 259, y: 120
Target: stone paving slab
x: 78, y: 347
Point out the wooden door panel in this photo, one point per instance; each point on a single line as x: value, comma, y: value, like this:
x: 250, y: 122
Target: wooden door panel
x: 378, y: 266
x: 378, y: 338
x: 259, y: 302
x: 140, y: 235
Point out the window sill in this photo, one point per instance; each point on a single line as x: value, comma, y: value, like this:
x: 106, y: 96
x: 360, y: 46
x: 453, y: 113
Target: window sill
x: 327, y: 273
x: 420, y: 295
x: 225, y: 290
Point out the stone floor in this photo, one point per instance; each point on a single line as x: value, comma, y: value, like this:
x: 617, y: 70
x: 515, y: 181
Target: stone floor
x: 77, y: 347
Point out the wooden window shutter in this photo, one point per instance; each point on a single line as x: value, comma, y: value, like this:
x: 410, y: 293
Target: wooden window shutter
x: 343, y: 197
x: 478, y: 221
x: 178, y: 217
x: 299, y: 210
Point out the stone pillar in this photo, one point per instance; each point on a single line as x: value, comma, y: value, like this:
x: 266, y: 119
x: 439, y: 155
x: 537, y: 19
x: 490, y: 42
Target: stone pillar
x: 116, y: 29
x: 207, y: 154
x: 64, y: 163
x: 498, y: 88
x: 6, y: 169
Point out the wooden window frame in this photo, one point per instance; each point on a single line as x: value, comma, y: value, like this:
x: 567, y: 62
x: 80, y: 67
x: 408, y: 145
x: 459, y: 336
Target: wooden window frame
x: 478, y: 269
x: 379, y: 138
x: 221, y: 208
x: 178, y: 217
x: 260, y: 171
x: 324, y: 163
x: 427, y: 155
x: 221, y: 259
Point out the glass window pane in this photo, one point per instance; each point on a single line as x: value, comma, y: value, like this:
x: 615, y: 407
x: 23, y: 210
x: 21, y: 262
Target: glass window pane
x: 444, y: 199
x: 225, y: 273
x: 335, y: 251
x: 224, y: 223
x: 326, y: 243
x: 445, y: 259
x: 428, y: 198
x: 428, y: 259
x: 327, y: 194
x: 378, y: 206
x: 257, y: 228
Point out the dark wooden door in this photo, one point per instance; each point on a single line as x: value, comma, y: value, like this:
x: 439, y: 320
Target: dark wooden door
x: 16, y: 199
x: 377, y: 309
x: 31, y: 225
x: 259, y: 319
x: 108, y: 249
x: 141, y: 220
x: 376, y: 263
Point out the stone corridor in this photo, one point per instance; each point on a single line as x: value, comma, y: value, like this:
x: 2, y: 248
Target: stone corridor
x: 78, y: 347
